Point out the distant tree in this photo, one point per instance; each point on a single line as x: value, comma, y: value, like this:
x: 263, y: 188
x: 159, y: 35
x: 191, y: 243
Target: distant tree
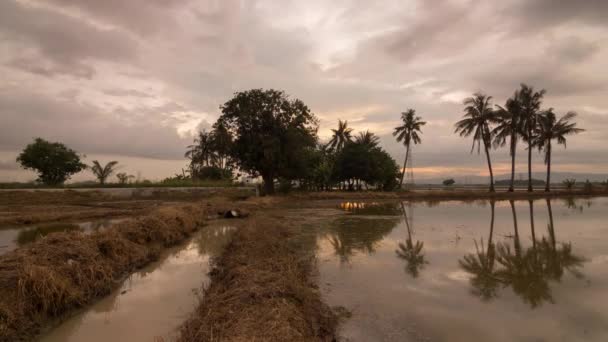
x: 449, y: 182
x: 103, y: 172
x: 530, y: 102
x: 200, y: 153
x: 407, y: 133
x: 123, y: 177
x: 340, y: 137
x: 569, y: 183
x: 221, y: 145
x: 53, y: 162
x: 549, y: 129
x: 478, y: 117
x: 509, y: 127
x: 367, y: 138
x: 270, y: 131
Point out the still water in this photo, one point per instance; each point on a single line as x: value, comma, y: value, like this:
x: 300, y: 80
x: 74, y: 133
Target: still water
x: 153, y: 302
x: 14, y: 237
x: 480, y: 271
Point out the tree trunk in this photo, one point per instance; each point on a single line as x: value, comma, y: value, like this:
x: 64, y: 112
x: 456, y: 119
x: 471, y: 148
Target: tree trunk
x: 516, y: 241
x: 268, y: 184
x: 489, y: 167
x: 530, y: 188
x: 548, y: 185
x: 531, y: 203
x: 407, y: 152
x: 513, y: 150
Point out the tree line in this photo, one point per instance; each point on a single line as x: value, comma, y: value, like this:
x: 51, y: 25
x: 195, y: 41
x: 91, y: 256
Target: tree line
x: 267, y: 134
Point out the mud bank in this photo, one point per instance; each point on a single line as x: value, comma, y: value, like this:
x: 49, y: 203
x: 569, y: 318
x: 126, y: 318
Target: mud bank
x: 48, y: 279
x: 262, y: 289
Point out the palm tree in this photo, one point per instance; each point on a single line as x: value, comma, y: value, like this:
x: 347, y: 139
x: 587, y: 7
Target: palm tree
x: 530, y: 102
x: 200, y: 153
x: 368, y: 139
x: 103, y: 172
x: 509, y: 126
x: 476, y: 121
x: 341, y: 136
x: 550, y: 128
x: 408, y: 133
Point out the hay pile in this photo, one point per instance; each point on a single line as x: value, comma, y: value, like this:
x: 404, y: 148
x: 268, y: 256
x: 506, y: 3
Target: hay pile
x: 261, y: 290
x: 64, y: 271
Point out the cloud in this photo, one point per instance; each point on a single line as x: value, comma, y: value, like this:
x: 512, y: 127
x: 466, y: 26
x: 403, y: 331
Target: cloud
x: 126, y: 92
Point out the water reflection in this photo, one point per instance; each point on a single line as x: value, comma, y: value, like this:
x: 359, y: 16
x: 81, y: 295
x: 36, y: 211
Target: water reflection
x: 527, y: 272
x: 411, y: 251
x: 32, y: 234
x: 350, y: 235
x: 371, y: 208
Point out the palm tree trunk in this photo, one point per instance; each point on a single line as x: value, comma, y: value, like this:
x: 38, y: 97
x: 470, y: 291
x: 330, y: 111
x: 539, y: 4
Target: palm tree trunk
x: 513, y: 150
x: 531, y: 203
x: 548, y: 185
x: 489, y: 167
x: 551, y: 227
x: 516, y: 237
x: 493, y: 205
x: 407, y: 152
x: 530, y: 188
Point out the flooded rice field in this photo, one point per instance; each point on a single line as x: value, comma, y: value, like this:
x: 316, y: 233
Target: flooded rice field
x: 13, y: 237
x: 454, y: 271
x: 152, y: 302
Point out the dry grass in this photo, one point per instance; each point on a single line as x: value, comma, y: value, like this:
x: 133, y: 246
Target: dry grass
x: 261, y: 290
x: 64, y: 271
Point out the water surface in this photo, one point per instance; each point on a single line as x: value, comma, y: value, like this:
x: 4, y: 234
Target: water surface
x: 153, y: 302
x: 454, y: 271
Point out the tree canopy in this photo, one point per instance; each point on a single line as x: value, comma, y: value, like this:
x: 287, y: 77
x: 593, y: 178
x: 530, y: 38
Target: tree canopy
x: 53, y: 161
x: 270, y: 132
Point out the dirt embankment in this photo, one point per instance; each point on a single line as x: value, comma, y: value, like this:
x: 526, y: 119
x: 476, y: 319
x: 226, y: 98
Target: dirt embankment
x: 262, y: 290
x: 64, y: 271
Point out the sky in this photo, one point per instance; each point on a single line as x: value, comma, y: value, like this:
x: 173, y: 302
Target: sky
x: 134, y: 80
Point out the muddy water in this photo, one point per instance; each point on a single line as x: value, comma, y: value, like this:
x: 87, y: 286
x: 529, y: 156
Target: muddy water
x: 11, y: 238
x: 152, y: 303
x: 453, y: 271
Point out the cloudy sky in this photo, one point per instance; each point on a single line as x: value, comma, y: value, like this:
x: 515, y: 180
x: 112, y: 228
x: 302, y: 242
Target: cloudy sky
x: 133, y: 80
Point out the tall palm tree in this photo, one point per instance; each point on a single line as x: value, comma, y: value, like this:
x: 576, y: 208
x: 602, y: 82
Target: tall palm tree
x: 509, y: 127
x: 549, y: 129
x: 367, y: 138
x: 408, y: 133
x: 530, y: 101
x: 103, y: 172
x: 477, y: 120
x: 200, y: 153
x: 341, y: 136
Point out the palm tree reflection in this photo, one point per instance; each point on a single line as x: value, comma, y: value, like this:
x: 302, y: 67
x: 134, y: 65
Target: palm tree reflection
x: 527, y: 272
x: 482, y: 266
x: 411, y: 251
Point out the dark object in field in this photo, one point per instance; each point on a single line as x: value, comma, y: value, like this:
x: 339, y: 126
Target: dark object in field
x: 233, y: 213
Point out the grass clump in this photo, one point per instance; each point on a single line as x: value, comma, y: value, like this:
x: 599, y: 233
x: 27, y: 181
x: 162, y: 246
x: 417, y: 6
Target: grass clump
x: 63, y: 271
x: 261, y: 290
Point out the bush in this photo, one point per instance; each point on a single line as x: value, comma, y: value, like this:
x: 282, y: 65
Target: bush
x: 449, y: 182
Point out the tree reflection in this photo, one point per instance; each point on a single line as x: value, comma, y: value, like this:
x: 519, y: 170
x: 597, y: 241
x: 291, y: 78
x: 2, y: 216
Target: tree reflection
x: 527, y: 272
x: 349, y: 235
x: 482, y: 266
x: 411, y: 251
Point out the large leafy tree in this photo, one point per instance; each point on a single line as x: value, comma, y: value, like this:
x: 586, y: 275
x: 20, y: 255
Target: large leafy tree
x: 340, y: 137
x: 270, y: 130
x: 508, y: 128
x: 409, y: 132
x: 477, y: 120
x: 549, y: 129
x: 54, y: 162
x: 103, y: 172
x: 530, y: 102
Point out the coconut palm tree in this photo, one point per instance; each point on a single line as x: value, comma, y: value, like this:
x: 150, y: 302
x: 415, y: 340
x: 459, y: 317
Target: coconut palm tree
x: 530, y: 102
x: 549, y: 129
x: 341, y: 136
x: 103, y: 172
x: 200, y: 153
x: 408, y: 133
x: 368, y: 139
x: 509, y: 127
x: 477, y: 120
